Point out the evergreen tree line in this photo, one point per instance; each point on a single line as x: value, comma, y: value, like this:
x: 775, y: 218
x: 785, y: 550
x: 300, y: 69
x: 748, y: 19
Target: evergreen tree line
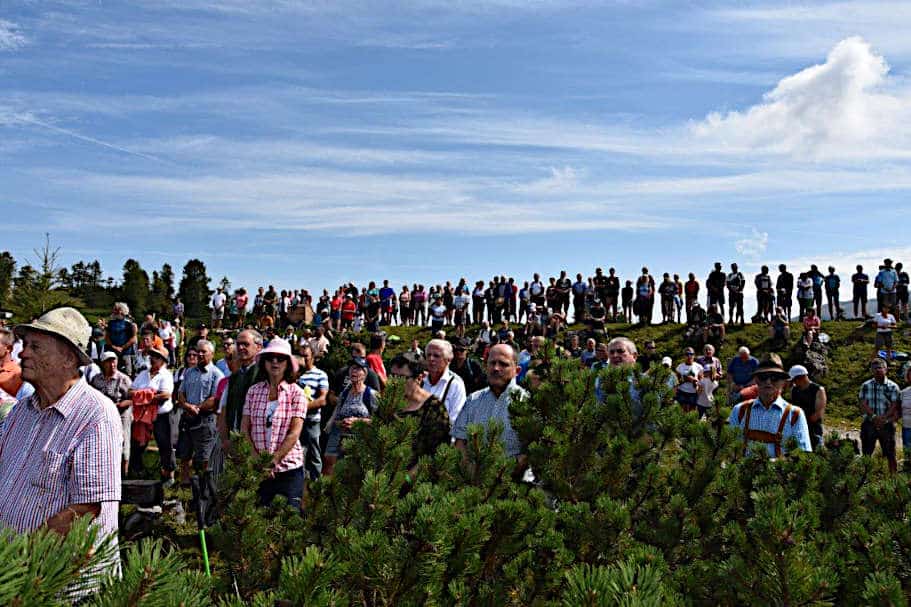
x: 656, y: 509
x: 31, y: 287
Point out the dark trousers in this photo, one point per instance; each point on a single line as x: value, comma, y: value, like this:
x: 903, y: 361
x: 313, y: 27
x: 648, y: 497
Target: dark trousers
x: 313, y: 464
x: 885, y: 434
x: 289, y: 484
x: 166, y: 430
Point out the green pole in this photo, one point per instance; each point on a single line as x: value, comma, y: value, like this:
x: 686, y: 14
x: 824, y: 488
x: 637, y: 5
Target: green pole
x: 205, y: 552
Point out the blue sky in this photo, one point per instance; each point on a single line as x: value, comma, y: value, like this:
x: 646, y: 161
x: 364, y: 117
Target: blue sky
x: 306, y: 144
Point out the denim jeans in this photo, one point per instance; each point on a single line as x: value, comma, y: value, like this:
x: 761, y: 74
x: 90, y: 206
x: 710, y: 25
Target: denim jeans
x: 310, y: 442
x: 289, y: 484
x: 906, y: 440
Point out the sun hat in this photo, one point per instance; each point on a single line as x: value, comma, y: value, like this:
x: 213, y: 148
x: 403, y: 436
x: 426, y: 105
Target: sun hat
x: 797, y: 371
x: 771, y: 363
x: 277, y: 345
x: 108, y: 356
x: 65, y: 323
x: 159, y: 352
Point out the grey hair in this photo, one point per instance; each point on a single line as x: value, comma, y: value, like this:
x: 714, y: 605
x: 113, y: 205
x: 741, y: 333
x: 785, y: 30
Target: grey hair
x: 205, y: 343
x: 256, y: 335
x: 122, y: 308
x: 629, y: 344
x: 443, y: 345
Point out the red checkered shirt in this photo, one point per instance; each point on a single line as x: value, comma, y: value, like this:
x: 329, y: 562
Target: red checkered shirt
x: 291, y: 403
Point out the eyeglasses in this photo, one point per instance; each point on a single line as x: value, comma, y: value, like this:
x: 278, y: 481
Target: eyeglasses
x: 271, y: 358
x: 400, y: 375
x: 228, y: 344
x: 767, y: 377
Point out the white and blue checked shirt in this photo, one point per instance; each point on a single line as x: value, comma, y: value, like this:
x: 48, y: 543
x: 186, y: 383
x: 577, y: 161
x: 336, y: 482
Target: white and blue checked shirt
x: 482, y: 407
x: 768, y: 420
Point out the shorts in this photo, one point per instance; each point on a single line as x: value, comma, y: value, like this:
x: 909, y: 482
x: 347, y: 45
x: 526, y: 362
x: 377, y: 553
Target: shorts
x: 610, y: 301
x: 334, y: 443
x: 335, y: 315
x: 218, y: 313
x: 902, y: 295
x: 888, y: 299
x: 869, y: 434
x: 884, y: 340
x: 197, y: 441
x: 716, y: 298
x: 689, y: 399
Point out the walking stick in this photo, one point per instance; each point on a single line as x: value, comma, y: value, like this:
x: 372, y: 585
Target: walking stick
x: 201, y: 503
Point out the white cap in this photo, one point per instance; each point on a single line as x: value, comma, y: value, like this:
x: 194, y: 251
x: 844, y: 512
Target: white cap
x: 108, y: 356
x: 743, y: 350
x: 797, y: 371
x: 666, y: 361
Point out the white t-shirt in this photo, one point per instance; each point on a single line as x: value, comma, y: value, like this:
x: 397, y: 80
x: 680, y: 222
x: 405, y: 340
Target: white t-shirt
x: 166, y: 333
x: 162, y: 382
x: 885, y: 323
x: 684, y: 370
x: 707, y: 394
x: 906, y: 408
x: 438, y: 312
x: 218, y: 300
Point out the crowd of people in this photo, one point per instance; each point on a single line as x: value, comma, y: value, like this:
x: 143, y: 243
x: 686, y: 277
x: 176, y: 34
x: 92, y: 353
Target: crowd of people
x: 92, y: 400
x: 597, y: 298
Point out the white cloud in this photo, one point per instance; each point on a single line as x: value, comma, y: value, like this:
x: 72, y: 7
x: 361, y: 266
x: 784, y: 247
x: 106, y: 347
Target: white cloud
x: 561, y: 181
x: 754, y: 246
x: 11, y: 38
x: 836, y: 110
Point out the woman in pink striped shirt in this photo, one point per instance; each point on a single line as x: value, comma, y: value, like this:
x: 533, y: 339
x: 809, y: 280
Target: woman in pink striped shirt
x: 273, y: 417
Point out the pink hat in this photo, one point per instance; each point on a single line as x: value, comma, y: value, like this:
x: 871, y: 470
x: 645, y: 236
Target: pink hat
x: 278, y: 345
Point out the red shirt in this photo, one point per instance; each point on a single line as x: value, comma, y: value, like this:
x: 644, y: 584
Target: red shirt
x: 375, y: 361
x: 348, y: 309
x: 811, y: 322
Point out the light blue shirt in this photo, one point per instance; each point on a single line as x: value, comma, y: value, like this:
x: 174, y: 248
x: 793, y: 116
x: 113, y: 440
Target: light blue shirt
x: 768, y: 420
x: 483, y: 407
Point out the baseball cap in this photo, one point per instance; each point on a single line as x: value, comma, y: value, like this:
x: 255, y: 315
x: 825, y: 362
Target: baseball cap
x: 797, y: 371
x: 358, y: 361
x: 108, y: 356
x: 666, y: 361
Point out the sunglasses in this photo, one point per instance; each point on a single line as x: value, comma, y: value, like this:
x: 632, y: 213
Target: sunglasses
x: 770, y: 377
x: 271, y: 358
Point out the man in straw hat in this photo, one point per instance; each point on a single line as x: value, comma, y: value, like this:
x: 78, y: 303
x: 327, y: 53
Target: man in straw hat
x: 60, y: 449
x: 770, y: 419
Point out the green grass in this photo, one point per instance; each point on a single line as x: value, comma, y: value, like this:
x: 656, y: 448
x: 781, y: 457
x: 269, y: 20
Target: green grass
x: 848, y: 357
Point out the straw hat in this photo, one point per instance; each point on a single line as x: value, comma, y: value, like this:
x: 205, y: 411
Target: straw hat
x: 66, y: 324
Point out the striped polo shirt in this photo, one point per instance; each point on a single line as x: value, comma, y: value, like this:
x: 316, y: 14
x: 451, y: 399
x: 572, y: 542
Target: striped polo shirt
x: 66, y: 454
x: 318, y: 382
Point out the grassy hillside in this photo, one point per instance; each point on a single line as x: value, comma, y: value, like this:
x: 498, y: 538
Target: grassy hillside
x: 850, y: 350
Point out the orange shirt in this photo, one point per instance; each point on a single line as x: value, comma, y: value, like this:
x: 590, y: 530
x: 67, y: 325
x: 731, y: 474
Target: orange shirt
x: 10, y: 377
